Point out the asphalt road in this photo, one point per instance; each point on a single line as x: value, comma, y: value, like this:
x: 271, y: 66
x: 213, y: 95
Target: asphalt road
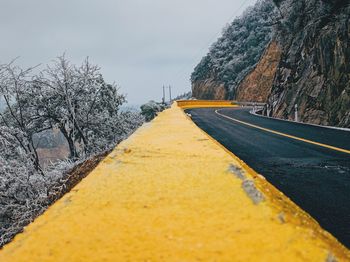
x: 314, y: 177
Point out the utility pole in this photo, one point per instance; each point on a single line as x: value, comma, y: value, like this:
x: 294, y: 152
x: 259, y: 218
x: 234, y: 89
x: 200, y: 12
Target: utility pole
x: 296, y: 113
x: 163, y: 99
x: 169, y: 93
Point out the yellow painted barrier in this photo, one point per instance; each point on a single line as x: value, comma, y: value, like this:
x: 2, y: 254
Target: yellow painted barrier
x: 205, y: 103
x: 171, y: 193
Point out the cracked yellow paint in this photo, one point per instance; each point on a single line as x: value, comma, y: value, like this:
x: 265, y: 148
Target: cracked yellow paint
x: 171, y: 193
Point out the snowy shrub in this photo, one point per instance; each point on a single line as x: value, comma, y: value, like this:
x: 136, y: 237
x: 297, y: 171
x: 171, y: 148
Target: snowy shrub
x: 151, y: 109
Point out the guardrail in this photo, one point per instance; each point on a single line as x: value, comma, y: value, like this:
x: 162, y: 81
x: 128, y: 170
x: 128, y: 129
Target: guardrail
x: 250, y: 103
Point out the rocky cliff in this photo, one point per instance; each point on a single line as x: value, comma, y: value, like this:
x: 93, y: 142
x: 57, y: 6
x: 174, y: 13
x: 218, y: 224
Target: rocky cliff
x: 307, y: 64
x: 314, y: 71
x: 209, y: 89
x: 256, y: 87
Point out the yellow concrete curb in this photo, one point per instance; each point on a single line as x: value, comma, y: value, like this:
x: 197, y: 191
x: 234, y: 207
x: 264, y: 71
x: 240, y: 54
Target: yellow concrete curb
x: 169, y: 193
x: 186, y: 104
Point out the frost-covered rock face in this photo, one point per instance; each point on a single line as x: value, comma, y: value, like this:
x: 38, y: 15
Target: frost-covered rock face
x: 234, y: 54
x: 314, y: 71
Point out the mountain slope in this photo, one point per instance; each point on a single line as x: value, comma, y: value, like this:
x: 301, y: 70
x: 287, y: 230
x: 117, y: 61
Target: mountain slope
x: 234, y: 54
x: 303, y: 60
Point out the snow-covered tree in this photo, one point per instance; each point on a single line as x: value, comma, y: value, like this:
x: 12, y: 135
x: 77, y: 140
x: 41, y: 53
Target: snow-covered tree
x: 76, y: 100
x: 151, y: 109
x: 81, y: 104
x: 20, y: 112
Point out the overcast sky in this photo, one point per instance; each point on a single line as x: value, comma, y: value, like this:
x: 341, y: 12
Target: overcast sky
x: 139, y: 44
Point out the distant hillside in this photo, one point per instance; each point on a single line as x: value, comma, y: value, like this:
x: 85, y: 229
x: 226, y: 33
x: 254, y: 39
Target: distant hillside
x: 234, y: 54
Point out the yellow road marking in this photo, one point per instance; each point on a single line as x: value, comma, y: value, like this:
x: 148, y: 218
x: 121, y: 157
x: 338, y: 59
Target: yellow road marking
x: 284, y: 134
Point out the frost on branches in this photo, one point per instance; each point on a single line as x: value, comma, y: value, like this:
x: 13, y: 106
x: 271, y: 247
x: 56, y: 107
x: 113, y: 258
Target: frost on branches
x: 72, y: 99
x: 78, y: 102
x: 23, y: 189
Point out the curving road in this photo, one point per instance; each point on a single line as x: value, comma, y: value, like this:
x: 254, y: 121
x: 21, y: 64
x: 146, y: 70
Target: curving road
x: 310, y: 164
